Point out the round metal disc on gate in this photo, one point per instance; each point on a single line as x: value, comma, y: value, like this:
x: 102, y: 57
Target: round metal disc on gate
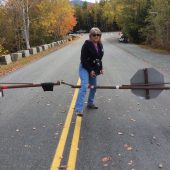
x: 147, y: 77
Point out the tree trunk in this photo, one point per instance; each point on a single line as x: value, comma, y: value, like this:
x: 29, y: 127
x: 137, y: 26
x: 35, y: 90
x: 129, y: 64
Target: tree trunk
x: 26, y: 23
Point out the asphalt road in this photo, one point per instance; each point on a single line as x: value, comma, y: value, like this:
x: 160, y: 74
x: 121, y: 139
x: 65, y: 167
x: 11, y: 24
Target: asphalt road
x: 125, y: 133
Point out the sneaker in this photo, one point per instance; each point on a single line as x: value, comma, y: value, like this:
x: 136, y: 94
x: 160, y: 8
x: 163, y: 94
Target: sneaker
x: 80, y: 114
x: 92, y: 106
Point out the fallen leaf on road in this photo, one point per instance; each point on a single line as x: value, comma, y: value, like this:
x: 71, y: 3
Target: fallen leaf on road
x: 105, y: 165
x: 129, y: 148
x: 133, y: 120
x: 130, y: 162
x: 120, y: 133
x: 63, y: 167
x: 125, y: 145
x: 132, y: 135
x: 160, y: 166
x: 154, y: 137
x: 27, y: 146
x: 106, y: 158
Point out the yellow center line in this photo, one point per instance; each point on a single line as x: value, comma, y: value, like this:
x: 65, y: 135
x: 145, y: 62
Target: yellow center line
x: 74, y: 146
x: 60, y: 148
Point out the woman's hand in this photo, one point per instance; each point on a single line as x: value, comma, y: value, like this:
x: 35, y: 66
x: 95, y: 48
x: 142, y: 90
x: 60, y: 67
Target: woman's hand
x: 92, y: 74
x: 101, y: 72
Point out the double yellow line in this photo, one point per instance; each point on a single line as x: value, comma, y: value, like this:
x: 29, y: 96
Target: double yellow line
x: 63, y: 138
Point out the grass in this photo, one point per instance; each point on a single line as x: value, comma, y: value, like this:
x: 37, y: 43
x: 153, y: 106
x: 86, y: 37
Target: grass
x: 156, y: 50
x: 6, y: 69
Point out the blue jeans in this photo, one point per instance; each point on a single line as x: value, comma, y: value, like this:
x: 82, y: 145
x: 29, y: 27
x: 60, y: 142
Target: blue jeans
x: 86, y: 79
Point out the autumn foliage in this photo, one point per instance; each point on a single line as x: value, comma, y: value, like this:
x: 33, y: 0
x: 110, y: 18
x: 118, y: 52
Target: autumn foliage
x: 26, y: 23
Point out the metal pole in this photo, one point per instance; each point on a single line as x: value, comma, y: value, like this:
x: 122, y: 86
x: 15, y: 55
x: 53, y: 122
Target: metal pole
x: 25, y: 86
x: 145, y: 71
x: 125, y: 87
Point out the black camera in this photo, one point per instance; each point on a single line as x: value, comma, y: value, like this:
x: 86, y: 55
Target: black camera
x: 98, y: 66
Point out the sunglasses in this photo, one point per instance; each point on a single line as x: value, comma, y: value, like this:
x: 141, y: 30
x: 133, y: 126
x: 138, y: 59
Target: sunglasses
x: 96, y: 35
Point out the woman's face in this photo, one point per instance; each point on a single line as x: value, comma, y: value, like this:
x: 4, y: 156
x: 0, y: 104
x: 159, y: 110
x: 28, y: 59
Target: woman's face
x: 95, y: 37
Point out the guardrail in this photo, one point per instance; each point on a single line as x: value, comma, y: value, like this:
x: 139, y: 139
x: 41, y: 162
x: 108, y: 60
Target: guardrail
x: 9, y: 58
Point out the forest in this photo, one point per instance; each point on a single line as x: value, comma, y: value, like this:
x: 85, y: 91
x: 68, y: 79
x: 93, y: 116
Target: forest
x: 25, y: 23
x: 144, y: 21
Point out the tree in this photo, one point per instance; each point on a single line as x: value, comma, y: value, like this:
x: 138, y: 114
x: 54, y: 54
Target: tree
x: 157, y: 31
x: 98, y: 14
x: 25, y: 22
x: 21, y: 8
x: 130, y: 16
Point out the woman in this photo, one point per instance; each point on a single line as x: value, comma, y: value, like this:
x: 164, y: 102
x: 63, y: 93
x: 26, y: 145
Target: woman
x: 90, y: 67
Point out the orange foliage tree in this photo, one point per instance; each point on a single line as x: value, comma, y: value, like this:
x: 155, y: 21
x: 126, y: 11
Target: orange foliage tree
x: 56, y: 18
x: 34, y: 22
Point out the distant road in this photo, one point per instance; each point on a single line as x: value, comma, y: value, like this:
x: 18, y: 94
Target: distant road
x: 125, y: 133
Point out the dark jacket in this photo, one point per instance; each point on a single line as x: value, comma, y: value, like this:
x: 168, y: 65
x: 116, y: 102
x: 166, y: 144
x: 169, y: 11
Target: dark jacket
x: 90, y: 58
